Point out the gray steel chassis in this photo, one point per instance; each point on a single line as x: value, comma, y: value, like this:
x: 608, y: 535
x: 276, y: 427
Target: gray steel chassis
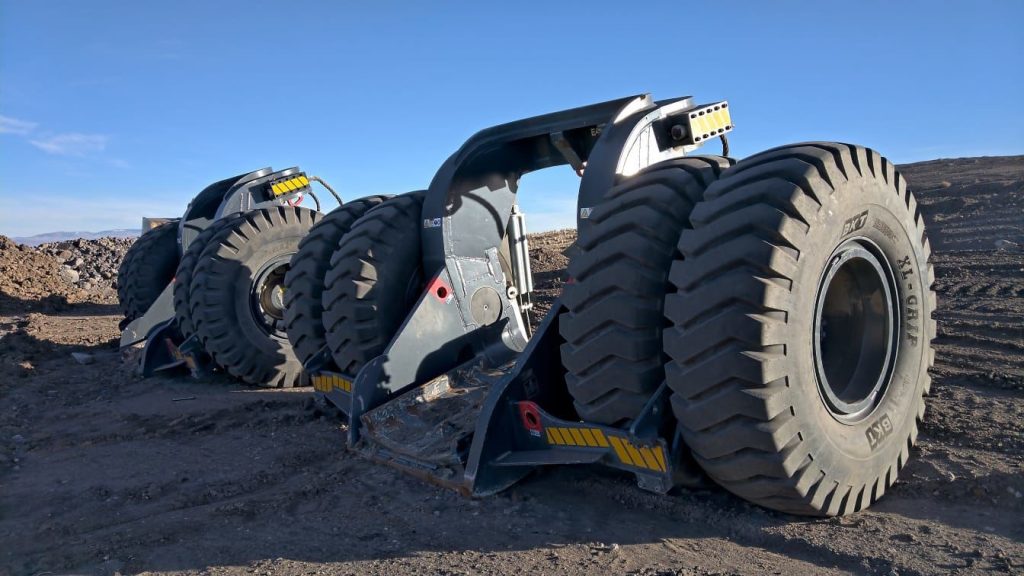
x: 463, y: 396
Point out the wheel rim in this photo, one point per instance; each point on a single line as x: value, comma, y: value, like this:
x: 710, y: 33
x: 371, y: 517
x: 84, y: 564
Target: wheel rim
x: 856, y: 320
x: 266, y: 298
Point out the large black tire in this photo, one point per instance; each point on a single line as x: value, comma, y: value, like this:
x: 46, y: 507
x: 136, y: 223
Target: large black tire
x: 183, y: 276
x: 612, y: 327
x: 374, y: 279
x: 304, y: 283
x: 146, y: 269
x: 791, y: 387
x: 237, y: 295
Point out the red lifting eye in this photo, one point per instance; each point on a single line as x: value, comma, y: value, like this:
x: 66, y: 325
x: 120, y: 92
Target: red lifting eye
x: 440, y: 289
x: 530, y: 414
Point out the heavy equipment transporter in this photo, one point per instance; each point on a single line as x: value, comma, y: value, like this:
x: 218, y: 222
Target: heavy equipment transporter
x: 209, y: 286
x: 764, y: 323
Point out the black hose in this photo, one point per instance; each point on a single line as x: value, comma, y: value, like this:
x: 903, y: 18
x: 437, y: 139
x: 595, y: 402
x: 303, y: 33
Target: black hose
x: 725, y: 145
x: 315, y: 200
x: 328, y: 186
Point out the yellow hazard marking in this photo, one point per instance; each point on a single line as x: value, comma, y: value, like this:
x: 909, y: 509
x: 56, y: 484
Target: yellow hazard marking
x: 328, y: 382
x: 647, y: 457
x: 660, y: 457
x: 567, y: 436
x: 620, y: 450
x: 634, y: 454
x: 649, y: 460
x: 578, y: 437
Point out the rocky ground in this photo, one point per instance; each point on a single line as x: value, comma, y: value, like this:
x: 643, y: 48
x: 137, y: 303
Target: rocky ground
x: 90, y: 265
x: 102, y: 472
x: 55, y: 275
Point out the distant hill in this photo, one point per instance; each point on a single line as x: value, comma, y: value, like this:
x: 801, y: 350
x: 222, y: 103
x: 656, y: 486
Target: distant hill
x: 61, y: 236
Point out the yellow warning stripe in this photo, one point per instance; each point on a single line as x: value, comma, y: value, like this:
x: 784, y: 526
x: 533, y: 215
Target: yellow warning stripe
x: 566, y: 436
x: 649, y: 460
x: 328, y: 382
x: 578, y: 437
x: 648, y: 457
x: 660, y: 457
x: 620, y: 450
x: 554, y: 437
x: 634, y: 454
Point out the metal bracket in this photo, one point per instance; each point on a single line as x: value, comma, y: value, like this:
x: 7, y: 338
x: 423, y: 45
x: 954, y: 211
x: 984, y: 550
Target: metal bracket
x: 570, y: 155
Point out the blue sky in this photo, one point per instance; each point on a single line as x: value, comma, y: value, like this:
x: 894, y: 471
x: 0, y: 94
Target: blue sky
x: 111, y: 110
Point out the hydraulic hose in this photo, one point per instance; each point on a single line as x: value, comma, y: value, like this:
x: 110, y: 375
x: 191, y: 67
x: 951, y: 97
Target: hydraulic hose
x: 328, y: 187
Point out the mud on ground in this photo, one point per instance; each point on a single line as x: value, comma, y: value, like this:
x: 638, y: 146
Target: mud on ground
x: 102, y: 472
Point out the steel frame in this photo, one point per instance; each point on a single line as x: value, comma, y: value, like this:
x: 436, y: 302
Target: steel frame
x: 465, y: 214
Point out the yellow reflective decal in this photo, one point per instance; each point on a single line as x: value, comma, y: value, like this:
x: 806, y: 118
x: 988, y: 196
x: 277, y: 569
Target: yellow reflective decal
x: 660, y: 457
x: 328, y: 382
x: 567, y: 436
x: 578, y: 437
x: 649, y: 459
x: 634, y: 454
x: 556, y: 435
x: 620, y: 450
x: 588, y: 435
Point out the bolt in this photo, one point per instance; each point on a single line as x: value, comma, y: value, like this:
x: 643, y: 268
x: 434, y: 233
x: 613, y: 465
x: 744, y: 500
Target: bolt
x: 678, y: 132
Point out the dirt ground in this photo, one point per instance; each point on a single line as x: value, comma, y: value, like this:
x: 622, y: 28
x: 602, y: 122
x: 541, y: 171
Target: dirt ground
x: 102, y: 472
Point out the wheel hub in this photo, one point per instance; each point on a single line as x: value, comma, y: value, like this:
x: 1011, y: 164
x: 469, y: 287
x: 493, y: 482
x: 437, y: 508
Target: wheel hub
x: 267, y: 296
x: 856, y: 320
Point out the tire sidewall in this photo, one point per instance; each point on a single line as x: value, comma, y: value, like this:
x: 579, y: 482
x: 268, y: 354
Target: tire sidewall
x: 190, y: 261
x: 221, y: 294
x: 147, y: 268
x: 369, y: 314
x: 303, y: 297
x: 278, y: 243
x: 862, y: 208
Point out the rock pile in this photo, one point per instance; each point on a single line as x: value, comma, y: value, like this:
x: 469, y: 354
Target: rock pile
x: 52, y: 275
x: 89, y: 264
x: 28, y: 276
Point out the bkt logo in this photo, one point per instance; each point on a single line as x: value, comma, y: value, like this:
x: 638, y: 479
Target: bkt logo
x: 878, y: 431
x: 855, y: 223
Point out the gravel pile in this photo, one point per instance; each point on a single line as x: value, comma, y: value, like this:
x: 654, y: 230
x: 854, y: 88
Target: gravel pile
x: 50, y: 276
x: 89, y: 264
x: 28, y: 278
